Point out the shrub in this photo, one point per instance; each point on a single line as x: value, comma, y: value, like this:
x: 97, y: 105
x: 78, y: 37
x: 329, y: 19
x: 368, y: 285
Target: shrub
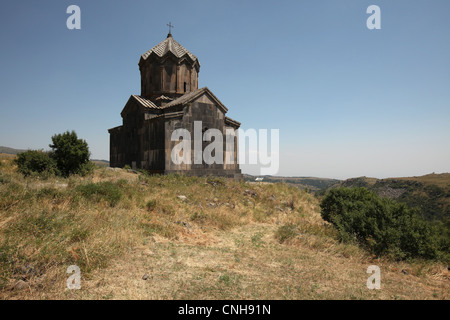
x: 215, y: 181
x: 70, y: 153
x: 381, y: 225
x: 286, y: 232
x: 151, y: 205
x: 86, y: 168
x: 50, y: 193
x: 199, y: 217
x: 4, y: 179
x: 35, y: 161
x: 107, y: 191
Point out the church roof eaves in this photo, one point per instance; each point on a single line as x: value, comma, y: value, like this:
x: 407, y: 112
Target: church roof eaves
x: 232, y: 122
x: 115, y: 129
x: 193, y: 95
x: 145, y: 102
x: 141, y: 102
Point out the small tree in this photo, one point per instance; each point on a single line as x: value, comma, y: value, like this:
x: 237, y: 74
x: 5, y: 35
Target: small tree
x: 70, y: 153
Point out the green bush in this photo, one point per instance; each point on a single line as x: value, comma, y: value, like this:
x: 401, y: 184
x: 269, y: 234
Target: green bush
x: 286, y: 232
x: 381, y: 225
x: 70, y: 153
x: 35, y: 161
x: 86, y: 168
x: 49, y: 193
x: 107, y: 191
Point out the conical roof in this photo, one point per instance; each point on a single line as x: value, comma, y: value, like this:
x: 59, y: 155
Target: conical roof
x: 169, y: 44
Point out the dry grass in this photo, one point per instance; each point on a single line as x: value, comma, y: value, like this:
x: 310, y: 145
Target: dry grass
x: 222, y: 240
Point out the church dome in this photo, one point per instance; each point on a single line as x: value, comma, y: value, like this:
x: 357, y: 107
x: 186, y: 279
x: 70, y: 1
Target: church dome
x: 168, y: 69
x: 169, y: 45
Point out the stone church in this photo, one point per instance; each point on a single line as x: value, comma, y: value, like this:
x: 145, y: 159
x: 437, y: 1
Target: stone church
x: 169, y: 100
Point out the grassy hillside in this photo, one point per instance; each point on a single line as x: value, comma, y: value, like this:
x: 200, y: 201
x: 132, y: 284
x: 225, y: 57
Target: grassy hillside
x: 429, y: 193
x: 174, y: 237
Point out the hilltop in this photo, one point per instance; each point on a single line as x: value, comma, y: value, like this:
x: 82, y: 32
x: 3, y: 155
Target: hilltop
x: 7, y: 150
x: 313, y: 184
x: 136, y: 236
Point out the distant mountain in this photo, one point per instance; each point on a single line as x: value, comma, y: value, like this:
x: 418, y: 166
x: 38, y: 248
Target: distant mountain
x: 8, y: 150
x: 311, y: 183
x: 429, y: 193
x: 101, y: 163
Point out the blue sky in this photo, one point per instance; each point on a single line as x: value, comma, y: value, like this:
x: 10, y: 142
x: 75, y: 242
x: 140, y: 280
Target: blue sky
x: 348, y: 101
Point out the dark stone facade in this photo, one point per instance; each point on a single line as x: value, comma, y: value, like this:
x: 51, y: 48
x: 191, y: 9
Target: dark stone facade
x: 170, y: 100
